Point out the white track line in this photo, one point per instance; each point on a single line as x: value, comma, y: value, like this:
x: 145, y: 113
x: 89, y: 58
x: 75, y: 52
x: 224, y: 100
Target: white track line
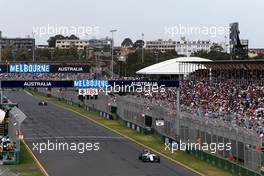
x: 74, y: 137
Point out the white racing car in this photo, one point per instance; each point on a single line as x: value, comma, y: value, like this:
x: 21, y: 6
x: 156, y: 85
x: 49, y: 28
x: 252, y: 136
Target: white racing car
x: 147, y: 156
x: 42, y: 103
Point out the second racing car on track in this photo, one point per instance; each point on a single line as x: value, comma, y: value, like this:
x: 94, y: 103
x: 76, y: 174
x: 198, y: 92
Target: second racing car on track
x: 42, y: 103
x: 147, y: 156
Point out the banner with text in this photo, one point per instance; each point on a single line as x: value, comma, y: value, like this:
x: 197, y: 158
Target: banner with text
x: 43, y: 68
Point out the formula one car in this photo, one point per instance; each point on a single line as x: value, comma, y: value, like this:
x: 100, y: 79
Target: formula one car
x: 42, y: 103
x: 147, y: 156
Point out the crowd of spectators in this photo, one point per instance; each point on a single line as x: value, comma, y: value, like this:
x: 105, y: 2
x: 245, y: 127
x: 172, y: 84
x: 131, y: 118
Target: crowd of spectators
x: 235, y: 104
x: 238, y: 104
x: 166, y: 99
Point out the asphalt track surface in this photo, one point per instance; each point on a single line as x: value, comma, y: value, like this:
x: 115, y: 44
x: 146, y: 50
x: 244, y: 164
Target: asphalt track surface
x: 117, y: 156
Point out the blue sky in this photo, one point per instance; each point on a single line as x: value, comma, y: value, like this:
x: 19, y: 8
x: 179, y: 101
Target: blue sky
x: 131, y: 18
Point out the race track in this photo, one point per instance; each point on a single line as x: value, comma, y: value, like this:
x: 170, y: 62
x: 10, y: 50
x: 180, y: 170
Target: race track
x: 117, y: 156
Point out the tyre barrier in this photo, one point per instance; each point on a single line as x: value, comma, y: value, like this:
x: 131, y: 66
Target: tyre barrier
x: 106, y: 115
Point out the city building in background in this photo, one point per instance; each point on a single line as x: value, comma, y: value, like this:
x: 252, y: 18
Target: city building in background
x: 161, y: 45
x: 68, y: 43
x: 186, y: 47
x: 254, y: 52
x: 101, y: 43
x: 42, y: 46
x: 16, y: 44
x: 122, y: 53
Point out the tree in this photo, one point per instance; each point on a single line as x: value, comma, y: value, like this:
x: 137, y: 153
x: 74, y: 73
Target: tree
x: 7, y: 53
x: 23, y: 55
x: 52, y: 40
x: 139, y: 44
x: 73, y: 37
x: 127, y: 43
x: 216, y: 48
x: 172, y: 53
x: 65, y: 54
x: 212, y: 55
x: 133, y: 62
x: 12, y: 53
x: 43, y: 54
x: 260, y: 57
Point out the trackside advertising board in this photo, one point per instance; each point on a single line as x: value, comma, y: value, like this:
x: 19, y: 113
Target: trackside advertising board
x: 29, y: 68
x: 88, y: 91
x: 44, y: 68
x: 102, y: 84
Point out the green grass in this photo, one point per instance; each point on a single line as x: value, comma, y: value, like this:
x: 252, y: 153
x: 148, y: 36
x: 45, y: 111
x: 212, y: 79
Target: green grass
x: 27, y: 166
x: 151, y: 141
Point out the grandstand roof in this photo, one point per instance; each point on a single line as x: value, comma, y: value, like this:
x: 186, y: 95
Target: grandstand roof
x: 172, y: 66
x: 232, y: 64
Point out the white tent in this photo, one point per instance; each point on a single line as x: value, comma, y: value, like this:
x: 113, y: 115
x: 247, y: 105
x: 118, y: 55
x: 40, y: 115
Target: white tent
x: 173, y: 66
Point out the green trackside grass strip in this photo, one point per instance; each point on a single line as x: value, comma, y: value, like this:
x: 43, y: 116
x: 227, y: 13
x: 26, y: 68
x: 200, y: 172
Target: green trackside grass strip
x: 149, y: 140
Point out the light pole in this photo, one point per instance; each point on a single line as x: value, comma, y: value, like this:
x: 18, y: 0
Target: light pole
x: 33, y: 47
x: 112, y: 52
x: 226, y: 44
x: 1, y: 92
x: 142, y: 52
x: 156, y: 53
x: 0, y: 46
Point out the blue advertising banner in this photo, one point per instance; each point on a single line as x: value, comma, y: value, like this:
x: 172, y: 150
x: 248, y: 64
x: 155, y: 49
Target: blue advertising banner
x: 29, y: 68
x: 43, y: 68
x: 165, y: 83
x: 24, y: 84
x: 91, y: 83
x: 88, y: 83
x: 70, y: 69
